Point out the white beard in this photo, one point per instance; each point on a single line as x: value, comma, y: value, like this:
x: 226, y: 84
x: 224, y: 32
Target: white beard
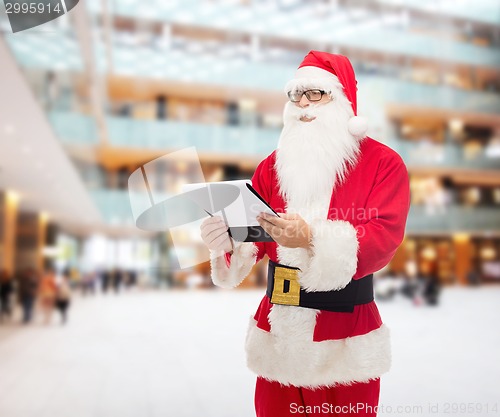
x: 312, y: 158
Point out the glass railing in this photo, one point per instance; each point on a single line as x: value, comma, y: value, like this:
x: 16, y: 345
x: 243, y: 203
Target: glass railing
x: 486, y: 11
x: 115, y: 208
x: 57, y: 51
x: 74, y: 128
x: 426, y: 96
x: 175, y: 65
x: 247, y: 74
x: 208, y: 69
x: 114, y: 205
x: 374, y: 90
x: 453, y: 219
x: 341, y: 28
x: 425, y: 154
x: 236, y: 140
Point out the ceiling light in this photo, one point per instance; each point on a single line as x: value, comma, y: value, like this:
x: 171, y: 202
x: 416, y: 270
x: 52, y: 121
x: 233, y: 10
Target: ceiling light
x: 488, y: 253
x: 456, y: 125
x: 13, y: 197
x: 460, y: 237
x: 429, y: 253
x: 51, y: 251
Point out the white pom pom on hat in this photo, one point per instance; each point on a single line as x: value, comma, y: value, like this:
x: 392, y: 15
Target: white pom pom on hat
x: 358, y: 126
x: 330, y: 72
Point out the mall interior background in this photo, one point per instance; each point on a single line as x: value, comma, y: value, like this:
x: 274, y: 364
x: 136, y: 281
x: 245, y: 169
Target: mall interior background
x: 98, y: 93
x: 89, y: 98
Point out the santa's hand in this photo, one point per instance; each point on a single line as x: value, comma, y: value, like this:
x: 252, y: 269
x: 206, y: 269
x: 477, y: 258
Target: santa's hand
x: 288, y: 230
x: 214, y: 233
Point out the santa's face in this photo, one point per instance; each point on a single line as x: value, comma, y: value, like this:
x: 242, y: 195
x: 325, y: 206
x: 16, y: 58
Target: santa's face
x: 315, y: 148
x: 304, y: 102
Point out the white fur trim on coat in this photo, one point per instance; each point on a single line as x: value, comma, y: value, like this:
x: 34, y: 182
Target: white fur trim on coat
x: 334, y: 260
x: 288, y: 354
x: 242, y: 260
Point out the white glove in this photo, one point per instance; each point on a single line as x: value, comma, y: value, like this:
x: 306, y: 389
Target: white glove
x: 214, y: 233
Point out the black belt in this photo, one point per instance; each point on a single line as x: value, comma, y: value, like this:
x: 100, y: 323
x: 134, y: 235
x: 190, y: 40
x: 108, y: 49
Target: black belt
x: 283, y: 288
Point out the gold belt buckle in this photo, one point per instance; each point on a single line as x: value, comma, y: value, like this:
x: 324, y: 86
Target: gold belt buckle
x: 286, y: 279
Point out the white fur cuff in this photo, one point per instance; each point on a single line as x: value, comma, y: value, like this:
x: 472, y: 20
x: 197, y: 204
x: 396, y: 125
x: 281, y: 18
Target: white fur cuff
x: 334, y: 259
x: 242, y: 260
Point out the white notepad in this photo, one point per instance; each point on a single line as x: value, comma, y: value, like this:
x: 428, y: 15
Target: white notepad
x: 237, y: 203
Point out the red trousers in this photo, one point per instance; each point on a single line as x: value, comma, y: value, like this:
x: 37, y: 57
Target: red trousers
x: 275, y: 400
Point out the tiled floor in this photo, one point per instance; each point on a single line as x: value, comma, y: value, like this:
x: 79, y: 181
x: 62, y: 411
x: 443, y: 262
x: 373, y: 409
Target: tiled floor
x: 181, y: 354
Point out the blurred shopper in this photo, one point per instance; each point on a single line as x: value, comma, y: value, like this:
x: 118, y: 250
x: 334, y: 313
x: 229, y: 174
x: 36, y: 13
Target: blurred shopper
x: 105, y: 280
x: 88, y: 283
x: 28, y: 282
x: 51, y: 90
x: 413, y: 288
x: 386, y: 287
x: 63, y: 298
x: 6, y: 288
x: 117, y: 280
x: 131, y: 278
x: 450, y: 191
x: 473, y: 278
x: 343, y: 199
x: 75, y: 277
x: 47, y: 294
x: 432, y: 289
x: 435, y: 198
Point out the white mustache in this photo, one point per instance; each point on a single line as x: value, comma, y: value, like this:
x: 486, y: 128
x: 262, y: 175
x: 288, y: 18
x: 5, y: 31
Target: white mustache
x: 299, y: 112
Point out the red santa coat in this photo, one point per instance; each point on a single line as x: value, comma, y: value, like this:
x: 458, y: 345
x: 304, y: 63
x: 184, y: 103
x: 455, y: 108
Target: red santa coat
x: 358, y: 235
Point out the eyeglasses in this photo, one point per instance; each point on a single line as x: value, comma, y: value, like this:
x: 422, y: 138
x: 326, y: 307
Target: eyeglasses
x: 311, y: 95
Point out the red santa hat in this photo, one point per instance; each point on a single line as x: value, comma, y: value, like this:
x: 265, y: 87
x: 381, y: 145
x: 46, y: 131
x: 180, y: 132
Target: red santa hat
x: 330, y: 73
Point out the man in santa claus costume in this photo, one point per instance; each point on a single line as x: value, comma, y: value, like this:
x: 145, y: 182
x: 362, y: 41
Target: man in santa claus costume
x: 317, y: 342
